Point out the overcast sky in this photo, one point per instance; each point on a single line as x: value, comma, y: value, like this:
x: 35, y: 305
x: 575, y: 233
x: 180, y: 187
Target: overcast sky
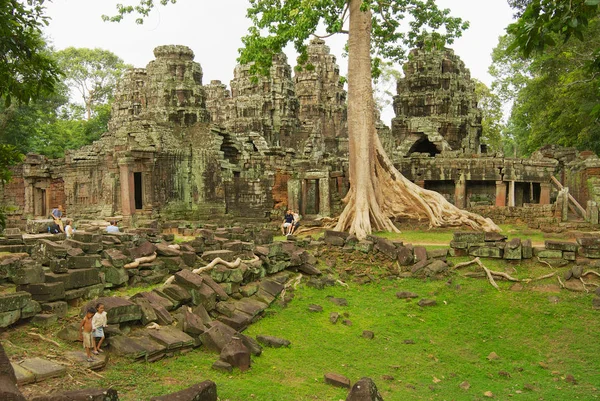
x: 212, y: 29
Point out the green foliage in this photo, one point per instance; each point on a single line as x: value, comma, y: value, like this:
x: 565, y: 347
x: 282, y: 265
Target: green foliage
x: 544, y: 23
x: 142, y: 10
x: 26, y: 68
x: 275, y: 24
x: 556, y: 93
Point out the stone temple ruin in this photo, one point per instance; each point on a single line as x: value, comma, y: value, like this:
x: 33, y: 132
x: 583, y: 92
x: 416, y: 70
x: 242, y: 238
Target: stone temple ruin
x: 178, y: 149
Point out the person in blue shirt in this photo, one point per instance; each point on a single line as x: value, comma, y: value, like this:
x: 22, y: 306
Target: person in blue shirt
x: 57, y: 214
x: 288, y: 220
x: 112, y: 228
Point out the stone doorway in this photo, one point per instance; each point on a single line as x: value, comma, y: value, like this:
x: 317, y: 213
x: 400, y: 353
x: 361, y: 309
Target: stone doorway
x: 39, y: 202
x: 310, y: 201
x: 137, y: 190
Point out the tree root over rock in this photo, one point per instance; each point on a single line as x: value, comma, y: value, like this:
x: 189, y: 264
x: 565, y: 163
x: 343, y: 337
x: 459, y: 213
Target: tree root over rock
x: 216, y: 261
x: 138, y: 261
x: 383, y: 191
x: 489, y: 273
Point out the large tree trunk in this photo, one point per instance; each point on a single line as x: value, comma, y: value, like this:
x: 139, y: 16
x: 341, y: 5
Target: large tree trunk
x: 377, y: 189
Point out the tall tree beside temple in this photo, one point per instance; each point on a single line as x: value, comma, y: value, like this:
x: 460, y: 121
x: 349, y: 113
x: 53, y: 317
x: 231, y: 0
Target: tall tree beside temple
x: 374, y: 27
x: 92, y: 73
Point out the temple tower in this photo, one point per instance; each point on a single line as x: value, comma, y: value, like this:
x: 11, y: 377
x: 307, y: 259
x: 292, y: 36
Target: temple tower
x: 436, y: 108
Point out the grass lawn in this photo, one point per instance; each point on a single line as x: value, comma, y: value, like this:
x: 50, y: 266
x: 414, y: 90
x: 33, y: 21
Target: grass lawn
x: 418, y: 353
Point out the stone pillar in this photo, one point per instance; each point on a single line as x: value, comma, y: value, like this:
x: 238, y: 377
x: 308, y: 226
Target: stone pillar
x: 592, y: 212
x: 304, y: 197
x: 127, y: 187
x: 500, y: 193
x: 324, y: 201
x: 565, y: 205
x: 293, y: 194
x: 28, y: 206
x: 460, y: 192
x: 511, y: 193
x: 545, y: 193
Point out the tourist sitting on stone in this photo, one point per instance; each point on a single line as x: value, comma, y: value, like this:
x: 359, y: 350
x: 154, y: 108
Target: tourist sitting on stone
x: 295, y: 223
x: 288, y: 219
x: 86, y: 333
x: 98, y: 324
x: 57, y: 214
x: 69, y: 230
x: 112, y: 228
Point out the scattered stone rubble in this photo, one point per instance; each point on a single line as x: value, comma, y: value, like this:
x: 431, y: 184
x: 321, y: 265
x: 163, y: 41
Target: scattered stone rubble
x: 213, y: 308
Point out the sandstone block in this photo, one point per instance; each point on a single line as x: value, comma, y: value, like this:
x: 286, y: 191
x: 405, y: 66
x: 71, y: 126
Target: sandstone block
x: 205, y: 391
x: 14, y: 301
x: 83, y: 261
x: 44, y: 292
x: 337, y: 380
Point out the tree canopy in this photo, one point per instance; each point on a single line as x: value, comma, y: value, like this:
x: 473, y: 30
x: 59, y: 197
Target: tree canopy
x: 26, y: 68
x: 92, y: 73
x: 556, y: 92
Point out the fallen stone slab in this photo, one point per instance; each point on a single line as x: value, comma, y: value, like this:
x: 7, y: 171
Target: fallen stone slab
x: 219, y: 291
x: 178, y: 293
x: 23, y: 376
x: 75, y: 278
x: 31, y: 309
x: 251, y: 306
x: 148, y: 313
x: 222, y: 366
x: 14, y: 301
x: 154, y: 298
x: 171, y: 337
x: 144, y: 249
x: 128, y: 347
x: 237, y: 320
x: 84, y: 261
x: 337, y: 380
x: 89, y: 292
x: 116, y: 257
x: 43, y: 369
x: 44, y: 319
x: 163, y: 249
x: 406, y: 295
x: 87, y: 247
x: 190, y: 323
x: 338, y: 301
x: 80, y: 359
x: 154, y: 350
x: 205, y: 391
x: 188, y: 279
x: 44, y: 292
x: 81, y: 395
x: 273, y: 342
x: 217, y: 336
x: 236, y: 354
